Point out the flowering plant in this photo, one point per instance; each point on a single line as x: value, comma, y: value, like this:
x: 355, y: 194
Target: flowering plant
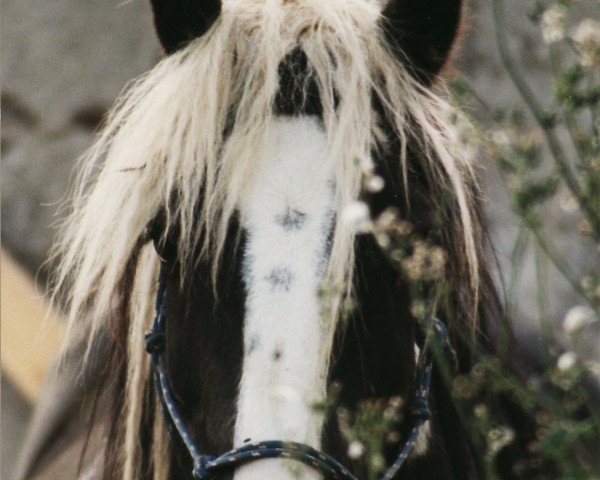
x: 548, y: 154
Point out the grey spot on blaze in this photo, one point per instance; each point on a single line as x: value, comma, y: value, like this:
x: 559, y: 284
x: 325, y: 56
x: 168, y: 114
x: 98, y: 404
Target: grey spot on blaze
x: 248, y: 261
x: 291, y: 220
x: 277, y: 354
x: 253, y: 344
x: 247, y: 440
x: 332, y: 187
x: 327, y: 231
x: 280, y: 279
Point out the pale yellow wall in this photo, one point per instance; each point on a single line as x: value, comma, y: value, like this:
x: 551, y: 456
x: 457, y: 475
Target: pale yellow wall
x: 30, y: 331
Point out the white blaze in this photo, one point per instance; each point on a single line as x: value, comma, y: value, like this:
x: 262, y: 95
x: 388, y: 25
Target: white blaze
x: 287, y: 214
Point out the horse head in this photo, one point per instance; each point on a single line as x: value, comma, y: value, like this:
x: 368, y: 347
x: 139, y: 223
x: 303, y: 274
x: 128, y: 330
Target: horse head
x: 263, y: 156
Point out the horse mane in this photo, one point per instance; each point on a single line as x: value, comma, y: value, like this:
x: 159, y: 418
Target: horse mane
x: 193, y: 126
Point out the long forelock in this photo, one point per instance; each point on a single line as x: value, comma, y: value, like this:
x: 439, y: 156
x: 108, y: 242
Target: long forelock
x: 199, y: 118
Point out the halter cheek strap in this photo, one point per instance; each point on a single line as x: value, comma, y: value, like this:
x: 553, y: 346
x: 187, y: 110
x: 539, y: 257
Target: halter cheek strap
x: 205, y: 466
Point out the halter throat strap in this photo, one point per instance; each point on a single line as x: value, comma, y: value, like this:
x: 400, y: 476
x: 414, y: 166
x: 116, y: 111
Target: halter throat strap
x: 206, y: 466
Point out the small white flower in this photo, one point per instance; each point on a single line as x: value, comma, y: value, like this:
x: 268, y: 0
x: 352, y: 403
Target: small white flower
x: 463, y: 136
x: 553, y: 24
x: 499, y: 437
x: 587, y: 42
x: 356, y: 450
x: 481, y: 411
x: 578, y: 318
x: 569, y: 203
x: 502, y: 138
x: 357, y: 216
x: 375, y: 184
x: 566, y: 361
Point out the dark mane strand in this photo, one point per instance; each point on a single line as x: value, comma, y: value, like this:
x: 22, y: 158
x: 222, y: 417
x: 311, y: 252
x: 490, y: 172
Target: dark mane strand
x: 117, y: 333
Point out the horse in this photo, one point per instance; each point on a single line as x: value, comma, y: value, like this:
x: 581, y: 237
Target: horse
x: 268, y: 170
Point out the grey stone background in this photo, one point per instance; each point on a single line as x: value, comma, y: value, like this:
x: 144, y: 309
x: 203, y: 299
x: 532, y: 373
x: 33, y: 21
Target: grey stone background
x: 63, y: 64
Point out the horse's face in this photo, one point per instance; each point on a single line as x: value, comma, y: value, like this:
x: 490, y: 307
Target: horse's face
x: 251, y: 361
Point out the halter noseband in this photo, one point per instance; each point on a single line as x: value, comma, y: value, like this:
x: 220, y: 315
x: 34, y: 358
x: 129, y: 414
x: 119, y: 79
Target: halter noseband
x: 205, y: 466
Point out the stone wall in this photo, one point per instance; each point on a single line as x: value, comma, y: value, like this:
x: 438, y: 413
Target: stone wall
x: 63, y: 64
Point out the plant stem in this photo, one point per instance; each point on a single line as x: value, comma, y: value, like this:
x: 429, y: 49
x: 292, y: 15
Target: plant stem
x: 516, y: 263
x: 556, y: 260
x: 570, y: 120
x: 542, y: 118
x: 546, y: 327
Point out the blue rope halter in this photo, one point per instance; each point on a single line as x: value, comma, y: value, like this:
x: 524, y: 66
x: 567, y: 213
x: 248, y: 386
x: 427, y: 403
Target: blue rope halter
x: 205, y: 466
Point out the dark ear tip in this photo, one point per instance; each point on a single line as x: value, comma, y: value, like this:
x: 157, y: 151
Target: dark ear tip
x: 178, y: 22
x: 425, y: 31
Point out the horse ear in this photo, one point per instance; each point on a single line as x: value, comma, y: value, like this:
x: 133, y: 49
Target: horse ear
x: 425, y: 30
x: 180, y: 21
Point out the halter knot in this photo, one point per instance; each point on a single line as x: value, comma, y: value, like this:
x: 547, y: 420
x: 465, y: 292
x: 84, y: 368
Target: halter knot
x: 155, y: 342
x: 419, y: 408
x: 201, y: 472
